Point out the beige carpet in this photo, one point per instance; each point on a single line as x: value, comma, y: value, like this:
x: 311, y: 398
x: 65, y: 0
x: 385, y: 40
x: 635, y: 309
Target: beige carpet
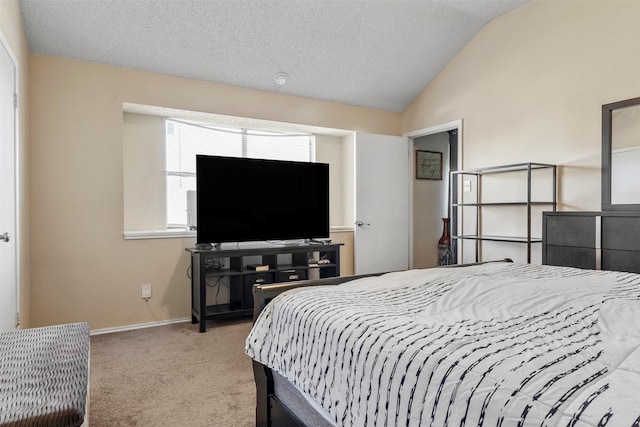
x: 173, y: 376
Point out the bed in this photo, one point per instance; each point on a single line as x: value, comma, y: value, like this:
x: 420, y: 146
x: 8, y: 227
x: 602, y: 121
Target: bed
x: 495, y: 344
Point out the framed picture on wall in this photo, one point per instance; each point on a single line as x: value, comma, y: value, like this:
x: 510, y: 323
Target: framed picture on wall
x: 428, y: 165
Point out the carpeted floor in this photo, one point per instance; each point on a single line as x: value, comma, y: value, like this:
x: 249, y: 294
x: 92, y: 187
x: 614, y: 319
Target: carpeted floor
x: 172, y: 376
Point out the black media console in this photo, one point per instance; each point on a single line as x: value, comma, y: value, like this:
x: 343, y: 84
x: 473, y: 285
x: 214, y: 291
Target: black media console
x: 249, y: 265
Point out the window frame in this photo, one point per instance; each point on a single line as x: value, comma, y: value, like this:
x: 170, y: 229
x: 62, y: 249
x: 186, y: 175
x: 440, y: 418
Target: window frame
x: 246, y: 134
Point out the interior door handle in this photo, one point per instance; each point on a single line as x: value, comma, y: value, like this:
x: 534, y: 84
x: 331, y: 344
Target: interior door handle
x: 5, y: 237
x: 360, y: 223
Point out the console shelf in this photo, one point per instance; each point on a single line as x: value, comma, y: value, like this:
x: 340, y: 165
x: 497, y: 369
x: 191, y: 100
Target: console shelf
x: 285, y: 263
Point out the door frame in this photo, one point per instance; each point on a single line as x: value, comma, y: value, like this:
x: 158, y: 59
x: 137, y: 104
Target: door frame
x: 444, y: 127
x: 16, y: 172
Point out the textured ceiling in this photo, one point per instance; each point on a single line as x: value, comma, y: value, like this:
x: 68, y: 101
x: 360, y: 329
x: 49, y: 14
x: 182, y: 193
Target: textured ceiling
x: 378, y: 54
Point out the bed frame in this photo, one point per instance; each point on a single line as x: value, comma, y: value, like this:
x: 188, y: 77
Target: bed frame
x: 272, y: 410
x: 274, y: 403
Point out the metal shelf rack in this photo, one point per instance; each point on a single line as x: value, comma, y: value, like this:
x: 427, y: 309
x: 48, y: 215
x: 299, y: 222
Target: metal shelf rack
x: 478, y: 236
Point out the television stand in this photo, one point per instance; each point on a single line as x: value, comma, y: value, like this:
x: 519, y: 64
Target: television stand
x: 207, y: 246
x: 276, y: 263
x: 320, y: 242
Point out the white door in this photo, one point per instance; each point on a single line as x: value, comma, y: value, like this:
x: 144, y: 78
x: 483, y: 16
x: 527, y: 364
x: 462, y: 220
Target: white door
x: 8, y: 278
x: 382, y: 172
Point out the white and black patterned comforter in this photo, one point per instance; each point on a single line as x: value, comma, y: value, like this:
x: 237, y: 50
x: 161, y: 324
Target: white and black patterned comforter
x: 490, y: 345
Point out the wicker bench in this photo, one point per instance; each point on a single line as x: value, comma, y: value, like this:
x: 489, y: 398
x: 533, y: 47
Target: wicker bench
x: 44, y: 374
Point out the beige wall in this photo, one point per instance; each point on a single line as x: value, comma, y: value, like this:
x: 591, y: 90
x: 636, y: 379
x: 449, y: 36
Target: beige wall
x: 346, y: 251
x: 11, y: 29
x: 348, y: 189
x: 530, y: 87
x: 144, y: 173
x: 329, y: 150
x: 81, y: 267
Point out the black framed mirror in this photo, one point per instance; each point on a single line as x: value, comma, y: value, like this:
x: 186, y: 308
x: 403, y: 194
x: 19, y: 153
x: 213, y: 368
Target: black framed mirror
x: 621, y: 156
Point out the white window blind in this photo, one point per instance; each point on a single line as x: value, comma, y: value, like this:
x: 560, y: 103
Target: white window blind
x: 185, y: 140
x: 280, y: 147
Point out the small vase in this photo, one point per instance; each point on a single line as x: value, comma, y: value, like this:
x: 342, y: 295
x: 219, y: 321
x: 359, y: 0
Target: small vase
x: 444, y: 245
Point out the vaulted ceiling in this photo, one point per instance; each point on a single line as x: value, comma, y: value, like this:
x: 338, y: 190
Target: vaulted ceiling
x: 378, y: 54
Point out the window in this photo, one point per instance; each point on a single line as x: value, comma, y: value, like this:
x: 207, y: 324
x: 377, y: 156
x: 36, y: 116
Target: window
x: 185, y: 140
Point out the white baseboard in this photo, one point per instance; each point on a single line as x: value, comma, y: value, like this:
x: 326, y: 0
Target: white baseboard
x: 138, y: 326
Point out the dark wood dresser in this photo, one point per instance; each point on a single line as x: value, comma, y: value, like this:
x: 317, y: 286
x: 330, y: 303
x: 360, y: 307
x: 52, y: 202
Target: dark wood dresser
x: 595, y: 240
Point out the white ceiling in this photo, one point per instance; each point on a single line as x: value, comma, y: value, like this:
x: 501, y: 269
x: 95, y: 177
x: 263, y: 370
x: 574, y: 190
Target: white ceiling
x: 378, y: 54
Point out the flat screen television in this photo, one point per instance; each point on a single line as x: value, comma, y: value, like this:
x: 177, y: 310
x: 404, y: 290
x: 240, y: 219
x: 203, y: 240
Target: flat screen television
x: 240, y: 200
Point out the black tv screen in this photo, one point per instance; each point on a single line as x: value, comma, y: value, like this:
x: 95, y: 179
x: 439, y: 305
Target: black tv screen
x: 240, y: 199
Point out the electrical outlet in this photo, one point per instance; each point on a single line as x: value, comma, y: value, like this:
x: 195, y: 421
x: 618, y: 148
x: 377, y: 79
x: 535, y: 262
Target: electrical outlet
x: 467, y: 186
x: 145, y: 291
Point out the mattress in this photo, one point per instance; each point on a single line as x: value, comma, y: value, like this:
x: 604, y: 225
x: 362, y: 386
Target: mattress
x: 44, y: 374
x: 307, y: 410
x: 494, y: 344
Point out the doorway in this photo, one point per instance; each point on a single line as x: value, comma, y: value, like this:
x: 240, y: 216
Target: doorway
x: 431, y: 198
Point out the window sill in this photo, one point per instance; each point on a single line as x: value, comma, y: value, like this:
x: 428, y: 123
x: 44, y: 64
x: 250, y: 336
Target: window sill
x: 158, y: 234
x: 172, y: 234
